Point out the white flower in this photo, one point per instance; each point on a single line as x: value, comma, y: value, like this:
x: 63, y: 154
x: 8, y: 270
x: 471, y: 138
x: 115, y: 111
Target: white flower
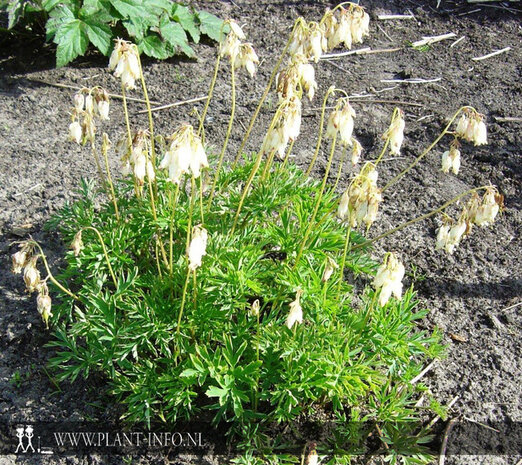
x: 125, y: 64
x: 198, y: 159
x: 149, y: 169
x: 471, y: 127
x: 19, y: 260
x: 360, y: 25
x: 395, y: 133
x: 140, y: 167
x: 197, y: 247
x: 247, y: 58
x: 356, y: 151
x: 230, y: 47
x: 389, y: 279
x: 44, y: 305
x: 455, y: 235
x: 89, y: 104
x: 75, y: 132
x: 480, y: 133
x: 103, y: 109
x: 330, y: 267
x: 296, y: 312
x: 236, y: 29
x: 341, y: 121
x: 79, y: 101
x: 343, y: 210
x: 306, y: 74
x: 442, y: 237
x: 451, y: 160
x: 77, y: 244
x: 488, y: 209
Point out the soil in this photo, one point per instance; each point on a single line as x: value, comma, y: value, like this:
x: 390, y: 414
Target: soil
x: 473, y: 295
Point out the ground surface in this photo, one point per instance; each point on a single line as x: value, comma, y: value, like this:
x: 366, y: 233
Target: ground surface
x: 472, y: 294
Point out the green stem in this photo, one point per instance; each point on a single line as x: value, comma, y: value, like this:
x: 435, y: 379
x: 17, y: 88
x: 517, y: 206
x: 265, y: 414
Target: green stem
x: 287, y: 156
x: 339, y: 171
x: 423, y: 154
x: 109, y: 178
x: 265, y: 94
x: 317, y: 204
x: 343, y: 262
x: 174, y: 201
x: 201, y: 129
x: 115, y: 281
x: 201, y: 199
x: 227, y: 136
x: 50, y: 275
x: 149, y: 113
x: 183, y: 298
x: 129, y: 135
x: 321, y: 128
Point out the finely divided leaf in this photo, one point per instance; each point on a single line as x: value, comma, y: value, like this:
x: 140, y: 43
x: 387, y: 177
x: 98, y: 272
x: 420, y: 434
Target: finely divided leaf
x: 72, y: 40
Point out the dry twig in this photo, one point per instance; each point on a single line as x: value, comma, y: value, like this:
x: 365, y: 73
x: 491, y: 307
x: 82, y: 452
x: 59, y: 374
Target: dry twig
x: 442, y: 457
x: 175, y: 104
x: 492, y: 54
x: 428, y: 40
x: 385, y: 17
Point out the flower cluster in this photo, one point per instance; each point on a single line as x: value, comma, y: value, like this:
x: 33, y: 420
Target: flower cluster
x: 125, y: 63
x: 479, y: 212
x: 184, y: 155
x: 298, y: 76
x: 395, y: 133
x: 341, y: 122
x: 471, y: 127
x: 88, y: 105
x: 241, y: 55
x: 26, y: 260
x: 451, y: 158
x: 285, y: 127
x: 136, y: 159
x: 389, y: 279
x: 352, y: 24
x: 360, y: 202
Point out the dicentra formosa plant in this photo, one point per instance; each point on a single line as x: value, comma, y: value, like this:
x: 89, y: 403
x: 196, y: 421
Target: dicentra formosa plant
x: 202, y: 285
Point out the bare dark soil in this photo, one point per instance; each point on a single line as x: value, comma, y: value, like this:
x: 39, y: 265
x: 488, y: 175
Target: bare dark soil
x: 473, y: 295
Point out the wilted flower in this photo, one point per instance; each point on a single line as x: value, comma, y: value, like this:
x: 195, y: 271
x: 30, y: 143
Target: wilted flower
x: 254, y: 309
x: 31, y: 275
x: 312, y: 458
x: 247, y: 58
x: 44, y: 304
x: 360, y: 24
x: 101, y: 103
x: 296, y: 312
x: 451, y: 159
x: 197, y: 247
x: 489, y: 207
x: 356, y: 151
x: 89, y: 105
x: 19, y: 260
x: 341, y: 121
x: 395, y: 132
x: 316, y: 43
x: 389, y: 279
x: 350, y: 28
x: 124, y: 62
x: 79, y: 101
x: 77, y: 244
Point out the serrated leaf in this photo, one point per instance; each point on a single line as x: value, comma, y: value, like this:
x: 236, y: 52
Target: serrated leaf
x: 153, y: 46
x: 136, y: 28
x: 99, y: 34
x: 210, y: 25
x: 48, y: 5
x: 72, y: 40
x: 160, y: 5
x: 175, y: 35
x: 57, y: 17
x: 187, y: 19
x: 134, y: 9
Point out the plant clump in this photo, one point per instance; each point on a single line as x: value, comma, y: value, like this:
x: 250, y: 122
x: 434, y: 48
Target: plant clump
x: 198, y: 286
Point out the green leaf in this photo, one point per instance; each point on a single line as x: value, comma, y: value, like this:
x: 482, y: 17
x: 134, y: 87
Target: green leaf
x: 15, y: 11
x: 210, y: 24
x: 99, y: 34
x: 174, y: 34
x: 153, y: 46
x: 48, y: 5
x: 72, y: 41
x: 134, y: 9
x: 187, y: 19
x: 165, y: 5
x: 136, y: 28
x: 214, y: 391
x: 57, y: 17
x: 188, y: 373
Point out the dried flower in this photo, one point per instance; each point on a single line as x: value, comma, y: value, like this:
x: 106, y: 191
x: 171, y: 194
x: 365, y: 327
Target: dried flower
x: 197, y: 247
x: 471, y: 127
x: 124, y: 62
x: 360, y: 24
x: 101, y: 103
x: 395, y: 133
x: 254, y: 309
x: 44, y: 304
x: 296, y: 312
x: 19, y: 259
x: 77, y: 244
x: 31, y: 275
x: 489, y: 207
x: 79, y: 101
x: 389, y: 279
x: 356, y: 151
x: 89, y: 105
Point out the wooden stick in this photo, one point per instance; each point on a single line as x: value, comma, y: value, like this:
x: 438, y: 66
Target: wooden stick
x: 413, y: 80
x: 422, y: 373
x: 508, y: 119
x: 428, y: 40
x: 486, y: 1
x: 457, y: 41
x: 176, y: 104
x: 385, y: 17
x: 66, y: 86
x: 492, y: 54
x: 361, y: 51
x: 442, y: 457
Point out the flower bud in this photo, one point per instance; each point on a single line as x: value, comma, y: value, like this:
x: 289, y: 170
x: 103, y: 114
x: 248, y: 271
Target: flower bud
x: 75, y: 132
x: 254, y: 309
x: 356, y: 151
x: 395, y: 133
x: 197, y: 247
x: 330, y: 267
x: 77, y: 244
x: 89, y: 104
x: 296, y: 312
x: 44, y: 305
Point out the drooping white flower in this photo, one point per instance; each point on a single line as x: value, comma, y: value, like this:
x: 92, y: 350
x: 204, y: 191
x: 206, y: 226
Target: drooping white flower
x: 44, y: 304
x: 19, y: 260
x: 488, y: 208
x: 471, y: 127
x: 442, y: 237
x: 31, y: 275
x: 306, y: 74
x: 331, y: 266
x: 77, y: 244
x: 75, y: 132
x: 341, y: 122
x: 295, y: 315
x: 389, y: 279
x: 197, y: 247
x: 360, y: 24
x: 451, y: 160
x: 356, y: 151
x: 125, y: 63
x: 247, y: 58
x: 79, y: 101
